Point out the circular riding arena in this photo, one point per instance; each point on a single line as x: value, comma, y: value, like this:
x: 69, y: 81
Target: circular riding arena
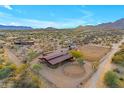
x: 73, y: 70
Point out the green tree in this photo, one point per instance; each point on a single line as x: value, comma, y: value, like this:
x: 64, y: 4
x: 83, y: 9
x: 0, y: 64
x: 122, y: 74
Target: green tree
x: 78, y: 56
x: 37, y: 67
x: 111, y: 79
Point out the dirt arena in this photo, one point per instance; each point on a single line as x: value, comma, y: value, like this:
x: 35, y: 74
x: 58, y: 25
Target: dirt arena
x: 93, y: 53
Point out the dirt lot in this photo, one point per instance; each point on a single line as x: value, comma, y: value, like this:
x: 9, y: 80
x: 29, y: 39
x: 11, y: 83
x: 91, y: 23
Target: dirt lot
x: 60, y: 80
x: 94, y: 53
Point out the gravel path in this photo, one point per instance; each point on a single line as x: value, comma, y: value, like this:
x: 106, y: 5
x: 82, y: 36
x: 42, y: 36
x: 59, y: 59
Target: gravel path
x: 12, y: 57
x: 97, y: 79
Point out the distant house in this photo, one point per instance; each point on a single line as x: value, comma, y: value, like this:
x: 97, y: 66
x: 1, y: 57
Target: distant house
x: 56, y: 58
x: 20, y: 42
x: 72, y: 46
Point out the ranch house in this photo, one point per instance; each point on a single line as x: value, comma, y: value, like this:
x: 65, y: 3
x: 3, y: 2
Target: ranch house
x: 56, y: 58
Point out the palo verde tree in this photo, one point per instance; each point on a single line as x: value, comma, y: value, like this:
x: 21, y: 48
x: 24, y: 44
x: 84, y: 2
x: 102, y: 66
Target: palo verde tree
x: 78, y: 56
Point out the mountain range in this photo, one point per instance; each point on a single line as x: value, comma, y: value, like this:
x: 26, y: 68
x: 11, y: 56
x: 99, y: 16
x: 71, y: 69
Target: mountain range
x: 119, y: 24
x: 5, y: 27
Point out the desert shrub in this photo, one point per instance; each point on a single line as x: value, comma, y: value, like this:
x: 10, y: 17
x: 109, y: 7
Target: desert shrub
x: 24, y: 78
x: 31, y: 55
x: 1, y: 51
x: 80, y: 61
x: 37, y: 67
x: 27, y: 80
x: 21, y: 68
x: 122, y: 46
x: 1, y: 60
x: 121, y: 83
x: 5, y: 72
x: 36, y: 82
x: 13, y: 67
x: 118, y: 58
x: 111, y: 79
x: 116, y: 70
x: 95, y: 65
x: 8, y: 63
x: 76, y: 54
x: 1, y: 66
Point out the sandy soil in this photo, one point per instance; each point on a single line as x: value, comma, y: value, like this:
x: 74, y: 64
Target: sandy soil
x: 12, y: 57
x: 74, y: 70
x: 93, y: 53
x: 59, y: 79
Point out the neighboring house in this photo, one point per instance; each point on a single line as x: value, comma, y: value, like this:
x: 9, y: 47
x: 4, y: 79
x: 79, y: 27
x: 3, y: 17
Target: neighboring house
x: 24, y: 42
x: 56, y: 58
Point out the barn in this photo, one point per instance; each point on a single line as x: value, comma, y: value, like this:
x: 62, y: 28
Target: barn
x: 56, y: 58
x: 20, y: 42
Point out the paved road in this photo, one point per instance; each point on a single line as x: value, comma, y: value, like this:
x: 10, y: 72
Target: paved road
x: 97, y: 79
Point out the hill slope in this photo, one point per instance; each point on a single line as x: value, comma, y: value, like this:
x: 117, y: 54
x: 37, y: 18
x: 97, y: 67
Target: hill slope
x: 119, y: 24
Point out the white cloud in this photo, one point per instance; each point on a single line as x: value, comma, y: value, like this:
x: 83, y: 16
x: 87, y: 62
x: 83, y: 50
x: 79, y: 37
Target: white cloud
x: 12, y: 20
x: 67, y: 22
x: 85, y: 19
x: 14, y: 23
x: 37, y: 23
x: 7, y: 7
x: 40, y: 23
x: 43, y: 24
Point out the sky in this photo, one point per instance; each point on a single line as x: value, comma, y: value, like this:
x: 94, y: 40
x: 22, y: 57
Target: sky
x: 59, y: 16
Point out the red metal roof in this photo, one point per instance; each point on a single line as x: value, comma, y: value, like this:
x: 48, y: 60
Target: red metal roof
x: 57, y: 57
x: 55, y: 54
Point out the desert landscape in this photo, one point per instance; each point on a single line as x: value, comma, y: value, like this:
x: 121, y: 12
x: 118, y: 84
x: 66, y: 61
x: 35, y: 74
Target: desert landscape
x: 83, y: 56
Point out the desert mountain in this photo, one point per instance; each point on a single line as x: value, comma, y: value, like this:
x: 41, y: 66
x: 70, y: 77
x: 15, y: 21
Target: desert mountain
x: 5, y: 27
x: 119, y: 24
